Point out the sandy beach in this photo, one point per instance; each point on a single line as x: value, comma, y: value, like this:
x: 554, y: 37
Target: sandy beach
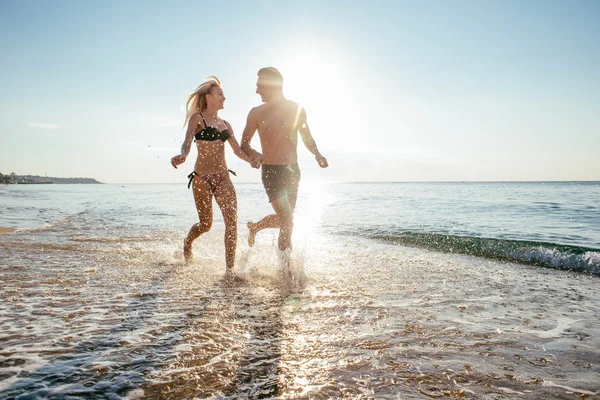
x: 450, y: 326
x: 6, y: 230
x: 373, y: 320
x: 97, y: 302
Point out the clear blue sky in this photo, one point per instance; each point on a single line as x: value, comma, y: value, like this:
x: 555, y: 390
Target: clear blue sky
x: 394, y: 91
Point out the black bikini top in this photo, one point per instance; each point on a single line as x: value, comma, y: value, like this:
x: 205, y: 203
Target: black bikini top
x: 211, y: 133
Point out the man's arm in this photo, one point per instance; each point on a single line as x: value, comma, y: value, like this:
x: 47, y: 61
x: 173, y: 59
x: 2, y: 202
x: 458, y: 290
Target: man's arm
x: 308, y: 140
x: 249, y: 131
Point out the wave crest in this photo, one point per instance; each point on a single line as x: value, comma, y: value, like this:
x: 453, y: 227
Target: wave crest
x: 550, y: 255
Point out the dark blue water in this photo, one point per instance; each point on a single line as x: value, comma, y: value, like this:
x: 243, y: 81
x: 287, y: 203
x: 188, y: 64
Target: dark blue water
x: 553, y: 224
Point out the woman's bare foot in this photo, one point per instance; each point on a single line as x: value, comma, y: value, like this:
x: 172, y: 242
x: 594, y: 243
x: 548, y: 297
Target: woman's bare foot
x: 187, y: 250
x: 232, y: 275
x: 229, y: 275
x: 252, y: 233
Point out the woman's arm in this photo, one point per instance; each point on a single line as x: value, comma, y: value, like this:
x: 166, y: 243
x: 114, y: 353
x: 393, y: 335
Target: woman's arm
x: 249, y: 131
x: 187, y: 142
x: 235, y: 146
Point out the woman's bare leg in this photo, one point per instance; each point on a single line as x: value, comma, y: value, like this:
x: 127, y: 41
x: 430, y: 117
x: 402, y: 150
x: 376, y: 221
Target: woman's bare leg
x: 203, y: 198
x: 227, y: 201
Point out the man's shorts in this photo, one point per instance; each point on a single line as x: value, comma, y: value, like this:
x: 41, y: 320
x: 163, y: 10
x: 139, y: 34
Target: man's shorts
x: 281, y: 180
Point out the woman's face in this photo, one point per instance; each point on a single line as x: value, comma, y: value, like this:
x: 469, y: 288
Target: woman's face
x: 216, y: 98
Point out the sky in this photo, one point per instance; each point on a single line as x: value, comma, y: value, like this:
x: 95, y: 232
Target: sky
x: 393, y: 90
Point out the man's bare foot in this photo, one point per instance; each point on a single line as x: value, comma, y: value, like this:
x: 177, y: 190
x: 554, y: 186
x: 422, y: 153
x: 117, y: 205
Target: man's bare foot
x: 187, y: 250
x: 252, y: 233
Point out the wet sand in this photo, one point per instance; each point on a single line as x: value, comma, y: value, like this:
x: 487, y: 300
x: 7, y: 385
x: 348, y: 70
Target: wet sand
x: 6, y: 230
x: 446, y: 325
x: 373, y: 321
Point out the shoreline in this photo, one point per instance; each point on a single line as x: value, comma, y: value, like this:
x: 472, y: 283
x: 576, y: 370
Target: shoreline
x: 372, y: 316
x: 6, y: 230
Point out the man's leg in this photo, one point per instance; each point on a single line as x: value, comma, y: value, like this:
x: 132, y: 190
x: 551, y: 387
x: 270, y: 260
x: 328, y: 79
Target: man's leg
x: 285, y: 217
x: 283, y: 179
x: 270, y: 221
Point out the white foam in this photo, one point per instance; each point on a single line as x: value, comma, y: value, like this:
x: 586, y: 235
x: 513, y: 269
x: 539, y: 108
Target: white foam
x: 562, y: 324
x: 569, y: 388
x: 592, y: 259
x: 135, y: 395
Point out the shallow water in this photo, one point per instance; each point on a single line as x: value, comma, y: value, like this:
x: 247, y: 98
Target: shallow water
x: 550, y: 224
x: 95, y: 306
x: 372, y: 321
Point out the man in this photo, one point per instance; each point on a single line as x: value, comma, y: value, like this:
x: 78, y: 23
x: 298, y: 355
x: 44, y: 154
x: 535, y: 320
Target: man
x: 278, y: 122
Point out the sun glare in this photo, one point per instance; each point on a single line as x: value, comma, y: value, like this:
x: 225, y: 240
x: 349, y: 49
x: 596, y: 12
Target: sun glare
x: 322, y: 85
x: 309, y: 212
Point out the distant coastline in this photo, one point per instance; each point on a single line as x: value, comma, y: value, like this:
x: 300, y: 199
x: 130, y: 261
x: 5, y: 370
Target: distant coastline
x: 13, y: 178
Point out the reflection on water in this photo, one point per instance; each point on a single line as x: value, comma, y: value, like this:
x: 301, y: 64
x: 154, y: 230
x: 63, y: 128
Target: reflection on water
x: 97, y: 304
x: 125, y: 318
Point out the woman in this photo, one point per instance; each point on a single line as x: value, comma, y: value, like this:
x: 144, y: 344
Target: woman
x: 210, y: 177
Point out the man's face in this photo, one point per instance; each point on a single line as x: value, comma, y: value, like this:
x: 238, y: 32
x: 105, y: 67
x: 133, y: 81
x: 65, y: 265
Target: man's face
x: 263, y: 91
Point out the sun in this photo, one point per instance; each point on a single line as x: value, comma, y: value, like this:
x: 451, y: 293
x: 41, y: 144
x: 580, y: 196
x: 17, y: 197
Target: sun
x: 321, y: 83
x: 314, y: 80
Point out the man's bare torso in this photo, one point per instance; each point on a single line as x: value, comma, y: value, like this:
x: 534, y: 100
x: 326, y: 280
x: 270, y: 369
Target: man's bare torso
x: 277, y: 125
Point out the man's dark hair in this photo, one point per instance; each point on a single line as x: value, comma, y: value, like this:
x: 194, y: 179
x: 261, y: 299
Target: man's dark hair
x: 270, y: 74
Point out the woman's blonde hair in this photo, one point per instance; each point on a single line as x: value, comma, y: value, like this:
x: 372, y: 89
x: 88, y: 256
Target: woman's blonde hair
x: 196, y: 101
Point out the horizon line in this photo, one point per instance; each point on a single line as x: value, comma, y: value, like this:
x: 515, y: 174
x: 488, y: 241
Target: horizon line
x: 366, y: 182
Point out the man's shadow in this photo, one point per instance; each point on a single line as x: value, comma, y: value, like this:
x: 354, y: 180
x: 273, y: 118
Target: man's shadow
x: 234, y: 346
x: 258, y: 372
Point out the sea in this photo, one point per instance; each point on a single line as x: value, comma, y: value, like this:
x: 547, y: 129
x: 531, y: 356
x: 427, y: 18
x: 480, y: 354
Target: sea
x: 470, y: 290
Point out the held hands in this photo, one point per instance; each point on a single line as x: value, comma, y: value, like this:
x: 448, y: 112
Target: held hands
x: 178, y: 159
x: 321, y: 160
x: 255, y: 162
x: 255, y: 159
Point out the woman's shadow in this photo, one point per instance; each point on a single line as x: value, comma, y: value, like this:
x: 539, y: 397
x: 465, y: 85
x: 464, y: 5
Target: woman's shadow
x: 225, y: 340
x: 232, y: 343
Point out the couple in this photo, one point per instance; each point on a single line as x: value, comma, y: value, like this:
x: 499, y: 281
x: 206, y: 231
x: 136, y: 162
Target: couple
x: 278, y: 122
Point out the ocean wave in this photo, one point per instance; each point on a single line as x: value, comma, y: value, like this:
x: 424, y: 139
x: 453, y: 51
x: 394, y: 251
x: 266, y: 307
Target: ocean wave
x: 43, y: 227
x: 550, y: 255
x: 118, y: 239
